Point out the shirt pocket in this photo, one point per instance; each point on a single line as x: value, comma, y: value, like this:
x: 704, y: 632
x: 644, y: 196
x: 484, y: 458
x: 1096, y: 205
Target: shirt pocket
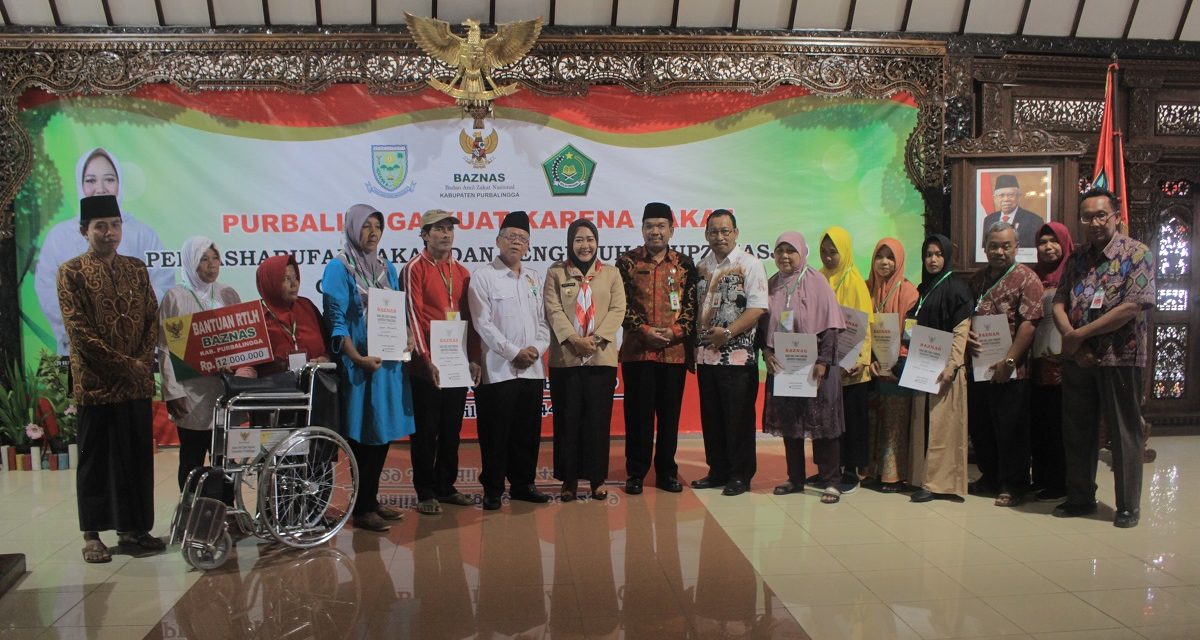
x: 505, y: 304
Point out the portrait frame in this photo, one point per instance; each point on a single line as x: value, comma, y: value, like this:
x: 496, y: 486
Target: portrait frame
x: 1046, y: 170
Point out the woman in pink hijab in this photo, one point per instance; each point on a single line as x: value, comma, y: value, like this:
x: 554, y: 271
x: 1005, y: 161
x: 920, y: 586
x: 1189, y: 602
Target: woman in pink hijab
x: 801, y: 301
x: 1048, y: 457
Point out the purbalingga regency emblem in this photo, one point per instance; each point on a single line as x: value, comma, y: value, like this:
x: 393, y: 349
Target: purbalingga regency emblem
x: 389, y: 166
x: 569, y: 172
x: 478, y: 147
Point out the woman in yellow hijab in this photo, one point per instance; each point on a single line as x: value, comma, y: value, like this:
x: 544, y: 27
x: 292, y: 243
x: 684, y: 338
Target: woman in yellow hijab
x: 850, y: 288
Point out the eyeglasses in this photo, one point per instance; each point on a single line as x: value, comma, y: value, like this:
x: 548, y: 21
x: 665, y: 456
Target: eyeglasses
x: 514, y: 238
x: 720, y: 232
x: 1099, y: 218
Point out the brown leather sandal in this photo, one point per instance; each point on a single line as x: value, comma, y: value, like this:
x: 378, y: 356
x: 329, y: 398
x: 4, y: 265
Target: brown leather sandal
x: 94, y: 552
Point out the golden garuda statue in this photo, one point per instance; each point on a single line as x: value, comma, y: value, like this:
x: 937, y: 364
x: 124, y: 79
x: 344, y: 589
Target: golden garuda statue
x: 473, y: 58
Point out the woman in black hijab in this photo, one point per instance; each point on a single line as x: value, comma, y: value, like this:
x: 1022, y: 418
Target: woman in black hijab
x: 939, y: 421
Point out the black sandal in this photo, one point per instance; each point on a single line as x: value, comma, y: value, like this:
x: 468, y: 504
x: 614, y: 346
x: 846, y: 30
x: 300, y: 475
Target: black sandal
x: 142, y: 540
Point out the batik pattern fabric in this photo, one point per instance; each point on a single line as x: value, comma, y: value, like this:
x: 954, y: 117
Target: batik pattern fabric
x: 724, y: 291
x: 111, y: 317
x: 1124, y: 270
x: 649, y: 287
x: 1017, y: 296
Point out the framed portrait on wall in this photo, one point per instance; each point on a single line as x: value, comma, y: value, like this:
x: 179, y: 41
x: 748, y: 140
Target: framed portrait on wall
x: 1018, y: 196
x: 1023, y: 178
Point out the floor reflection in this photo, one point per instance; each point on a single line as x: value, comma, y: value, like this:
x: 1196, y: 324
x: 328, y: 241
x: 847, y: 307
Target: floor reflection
x: 656, y: 566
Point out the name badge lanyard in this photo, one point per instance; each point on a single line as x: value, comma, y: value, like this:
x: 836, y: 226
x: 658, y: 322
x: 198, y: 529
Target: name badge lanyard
x: 880, y: 307
x: 995, y: 284
x: 212, y: 298
x: 785, y: 318
x: 447, y: 279
x: 921, y: 300
x: 290, y: 331
x: 359, y: 274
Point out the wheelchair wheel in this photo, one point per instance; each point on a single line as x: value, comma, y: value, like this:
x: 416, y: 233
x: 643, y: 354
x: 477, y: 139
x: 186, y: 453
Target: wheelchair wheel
x: 209, y: 557
x: 307, y: 487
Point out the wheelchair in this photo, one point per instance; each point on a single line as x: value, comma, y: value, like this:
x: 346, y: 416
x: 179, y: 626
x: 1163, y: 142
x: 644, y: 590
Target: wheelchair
x: 293, y: 482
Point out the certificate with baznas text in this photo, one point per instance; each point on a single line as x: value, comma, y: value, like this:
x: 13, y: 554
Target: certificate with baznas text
x: 387, y: 325
x: 994, y: 340
x: 797, y: 352
x: 851, y: 339
x: 448, y: 352
x: 928, y: 353
x: 885, y: 339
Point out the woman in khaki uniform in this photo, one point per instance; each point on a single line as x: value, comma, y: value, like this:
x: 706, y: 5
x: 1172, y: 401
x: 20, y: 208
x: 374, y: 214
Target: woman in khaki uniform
x: 585, y: 304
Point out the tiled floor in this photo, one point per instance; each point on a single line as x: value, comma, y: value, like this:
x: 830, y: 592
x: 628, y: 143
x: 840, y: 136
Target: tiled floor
x: 658, y: 565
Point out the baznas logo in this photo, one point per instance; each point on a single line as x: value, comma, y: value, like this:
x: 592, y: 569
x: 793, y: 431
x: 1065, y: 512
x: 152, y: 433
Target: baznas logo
x: 389, y: 165
x: 478, y: 147
x: 569, y: 172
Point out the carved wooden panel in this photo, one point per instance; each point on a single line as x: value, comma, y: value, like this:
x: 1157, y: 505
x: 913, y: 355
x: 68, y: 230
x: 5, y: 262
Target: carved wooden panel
x: 560, y: 64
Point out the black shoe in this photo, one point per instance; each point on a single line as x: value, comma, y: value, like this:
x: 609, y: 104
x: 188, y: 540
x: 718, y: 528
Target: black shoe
x: 1051, y: 495
x: 491, y: 503
x: 923, y: 496
x: 1127, y: 519
x: 669, y: 484
x: 707, y: 482
x: 735, y: 488
x: 788, y: 487
x: 982, y: 487
x: 633, y: 486
x: 529, y: 495
x: 814, y: 480
x: 1068, y: 510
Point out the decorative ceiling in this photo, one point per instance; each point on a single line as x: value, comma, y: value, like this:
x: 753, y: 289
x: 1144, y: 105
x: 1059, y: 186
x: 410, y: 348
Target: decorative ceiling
x: 1120, y: 19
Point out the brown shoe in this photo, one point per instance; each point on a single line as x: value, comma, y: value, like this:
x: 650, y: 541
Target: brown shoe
x: 388, y: 513
x: 457, y: 498
x: 371, y: 522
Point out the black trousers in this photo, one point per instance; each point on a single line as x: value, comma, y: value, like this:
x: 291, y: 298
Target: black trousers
x: 510, y: 431
x: 727, y: 395
x: 1111, y: 393
x: 438, y: 414
x: 998, y: 423
x: 652, y: 390
x: 583, y: 401
x: 370, y: 459
x: 826, y: 455
x: 856, y: 442
x: 1049, y: 459
x: 194, y: 446
x: 114, y: 484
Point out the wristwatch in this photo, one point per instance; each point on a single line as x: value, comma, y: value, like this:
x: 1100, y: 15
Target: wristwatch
x: 728, y: 334
x: 1012, y: 364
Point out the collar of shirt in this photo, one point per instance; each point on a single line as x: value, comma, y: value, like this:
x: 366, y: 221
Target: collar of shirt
x: 641, y: 254
x: 727, y: 259
x: 428, y: 258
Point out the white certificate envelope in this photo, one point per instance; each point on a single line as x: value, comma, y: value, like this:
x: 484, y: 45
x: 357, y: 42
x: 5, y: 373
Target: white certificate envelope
x: 797, y: 352
x: 885, y: 339
x: 448, y: 351
x: 1047, y: 341
x: 994, y: 339
x: 387, y: 325
x: 851, y: 339
x: 928, y: 353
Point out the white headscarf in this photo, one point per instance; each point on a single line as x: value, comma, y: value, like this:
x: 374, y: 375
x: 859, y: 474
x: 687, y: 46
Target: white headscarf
x: 367, y: 270
x: 190, y: 255
x: 82, y: 164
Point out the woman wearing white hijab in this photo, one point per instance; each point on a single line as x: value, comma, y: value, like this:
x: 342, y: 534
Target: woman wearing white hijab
x: 190, y: 402
x: 97, y: 173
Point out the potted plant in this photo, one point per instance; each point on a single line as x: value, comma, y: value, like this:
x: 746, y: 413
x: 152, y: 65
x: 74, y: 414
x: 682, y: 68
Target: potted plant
x: 59, y: 413
x: 18, y: 407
